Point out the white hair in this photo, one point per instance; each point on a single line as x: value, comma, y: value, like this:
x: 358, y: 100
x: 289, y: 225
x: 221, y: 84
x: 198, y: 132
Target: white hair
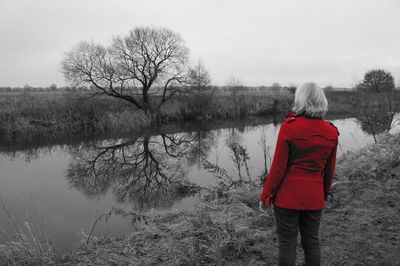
x: 310, y: 100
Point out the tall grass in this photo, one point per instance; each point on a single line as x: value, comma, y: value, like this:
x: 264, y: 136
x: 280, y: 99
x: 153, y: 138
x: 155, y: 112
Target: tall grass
x: 223, y: 227
x: 342, y: 102
x: 28, y: 117
x: 24, y: 244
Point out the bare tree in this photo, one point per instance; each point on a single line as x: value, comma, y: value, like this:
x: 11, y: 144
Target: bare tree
x: 148, y: 61
x: 276, y: 87
x: 199, y: 80
x: 199, y: 77
x: 234, y: 85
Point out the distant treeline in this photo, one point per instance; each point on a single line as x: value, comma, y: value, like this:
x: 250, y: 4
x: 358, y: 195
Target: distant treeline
x: 273, y: 88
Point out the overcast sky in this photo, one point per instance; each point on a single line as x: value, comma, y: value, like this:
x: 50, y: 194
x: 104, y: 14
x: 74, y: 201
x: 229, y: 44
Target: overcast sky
x: 331, y: 42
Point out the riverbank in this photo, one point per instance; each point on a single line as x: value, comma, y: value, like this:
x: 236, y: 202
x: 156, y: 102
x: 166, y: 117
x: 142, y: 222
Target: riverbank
x: 360, y: 226
x: 49, y: 117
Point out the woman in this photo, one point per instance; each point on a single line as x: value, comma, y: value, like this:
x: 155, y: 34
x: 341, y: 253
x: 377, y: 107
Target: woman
x: 302, y: 170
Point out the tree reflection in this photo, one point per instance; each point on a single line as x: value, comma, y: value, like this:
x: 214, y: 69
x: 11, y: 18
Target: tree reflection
x: 376, y: 112
x: 146, y: 171
x: 239, y: 155
x: 202, y: 142
x: 376, y: 122
x: 238, y: 152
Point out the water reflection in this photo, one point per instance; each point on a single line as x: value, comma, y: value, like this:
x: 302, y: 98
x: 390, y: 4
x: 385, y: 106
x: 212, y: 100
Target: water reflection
x: 146, y: 171
x: 202, y: 142
x: 239, y: 155
x: 29, y: 154
x: 376, y: 112
x: 141, y: 171
x: 375, y: 122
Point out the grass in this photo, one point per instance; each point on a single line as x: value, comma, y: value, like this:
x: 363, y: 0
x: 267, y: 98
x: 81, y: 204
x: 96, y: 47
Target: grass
x: 34, y: 117
x: 29, y: 117
x: 24, y: 244
x: 342, y: 102
x: 360, y: 226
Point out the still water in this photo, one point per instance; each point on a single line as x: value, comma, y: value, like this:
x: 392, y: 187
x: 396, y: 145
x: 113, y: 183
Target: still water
x: 60, y: 190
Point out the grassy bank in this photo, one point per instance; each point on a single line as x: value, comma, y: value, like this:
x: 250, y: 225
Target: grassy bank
x: 360, y: 226
x: 27, y: 117
x: 32, y: 117
x: 52, y: 116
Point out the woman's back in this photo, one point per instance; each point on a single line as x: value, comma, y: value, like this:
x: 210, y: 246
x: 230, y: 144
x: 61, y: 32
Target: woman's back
x: 311, y: 142
x: 311, y: 145
x: 301, y: 175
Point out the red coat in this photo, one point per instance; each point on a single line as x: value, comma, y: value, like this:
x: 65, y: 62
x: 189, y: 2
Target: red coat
x: 305, y: 156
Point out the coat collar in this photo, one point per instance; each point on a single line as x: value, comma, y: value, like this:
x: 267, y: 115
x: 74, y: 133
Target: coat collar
x: 295, y: 114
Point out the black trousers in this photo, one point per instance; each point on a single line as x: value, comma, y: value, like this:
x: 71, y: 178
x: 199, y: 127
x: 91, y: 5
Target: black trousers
x: 288, y: 222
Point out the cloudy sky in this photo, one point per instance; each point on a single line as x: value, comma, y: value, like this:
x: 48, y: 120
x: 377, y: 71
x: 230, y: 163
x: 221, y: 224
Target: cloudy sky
x: 332, y: 42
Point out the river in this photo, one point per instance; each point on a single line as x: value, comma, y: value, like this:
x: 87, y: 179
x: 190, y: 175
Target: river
x: 60, y: 190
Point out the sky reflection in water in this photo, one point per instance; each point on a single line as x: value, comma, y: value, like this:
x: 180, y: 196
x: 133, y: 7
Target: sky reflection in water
x: 63, y: 189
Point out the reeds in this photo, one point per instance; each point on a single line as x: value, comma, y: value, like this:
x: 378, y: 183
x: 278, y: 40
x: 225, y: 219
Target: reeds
x: 218, y: 230
x: 24, y: 244
x: 27, y: 117
x: 378, y: 161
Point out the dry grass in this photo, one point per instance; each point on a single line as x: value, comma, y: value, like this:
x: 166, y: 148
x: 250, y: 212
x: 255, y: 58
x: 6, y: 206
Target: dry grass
x: 379, y: 161
x: 29, y: 117
x: 24, y: 244
x: 361, y: 227
x: 221, y: 229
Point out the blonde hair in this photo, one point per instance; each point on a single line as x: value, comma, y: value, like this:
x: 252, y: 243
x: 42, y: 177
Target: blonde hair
x: 310, y: 100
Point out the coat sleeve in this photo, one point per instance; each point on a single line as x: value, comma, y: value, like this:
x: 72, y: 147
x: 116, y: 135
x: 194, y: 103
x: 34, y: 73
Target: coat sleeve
x: 279, y: 164
x: 329, y: 172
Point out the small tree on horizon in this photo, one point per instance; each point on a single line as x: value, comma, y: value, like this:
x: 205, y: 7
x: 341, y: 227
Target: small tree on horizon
x: 199, y: 77
x: 276, y: 87
x: 376, y: 81
x: 235, y: 85
x: 328, y: 88
x: 52, y: 87
x: 199, y: 81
